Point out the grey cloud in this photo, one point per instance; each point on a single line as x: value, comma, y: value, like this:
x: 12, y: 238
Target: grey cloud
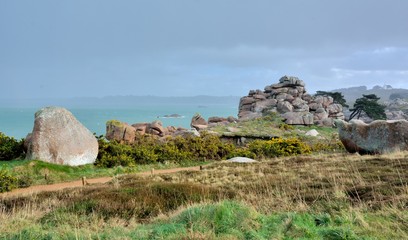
x: 185, y: 47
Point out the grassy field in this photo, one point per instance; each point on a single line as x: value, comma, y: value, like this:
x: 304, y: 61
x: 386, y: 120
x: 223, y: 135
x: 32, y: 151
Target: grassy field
x: 39, y: 172
x: 337, y: 196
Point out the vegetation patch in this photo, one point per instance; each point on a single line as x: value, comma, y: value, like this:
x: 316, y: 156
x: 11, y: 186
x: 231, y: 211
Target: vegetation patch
x: 10, y: 148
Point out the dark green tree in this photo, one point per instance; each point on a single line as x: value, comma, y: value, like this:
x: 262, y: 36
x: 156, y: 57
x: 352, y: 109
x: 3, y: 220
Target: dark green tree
x: 337, y: 97
x: 10, y: 148
x: 369, y: 104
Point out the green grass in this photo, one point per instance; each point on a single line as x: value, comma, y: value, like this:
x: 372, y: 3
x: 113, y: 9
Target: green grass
x: 272, y: 126
x: 304, y: 197
x: 36, y: 171
x: 229, y: 220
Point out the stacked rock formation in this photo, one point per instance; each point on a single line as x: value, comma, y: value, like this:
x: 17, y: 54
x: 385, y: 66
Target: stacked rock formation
x: 290, y: 99
x: 58, y: 137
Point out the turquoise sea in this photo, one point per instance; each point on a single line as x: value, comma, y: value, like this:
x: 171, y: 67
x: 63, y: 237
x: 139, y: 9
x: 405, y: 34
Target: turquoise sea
x: 18, y: 122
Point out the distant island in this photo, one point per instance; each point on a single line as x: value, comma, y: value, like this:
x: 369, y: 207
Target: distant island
x: 175, y: 115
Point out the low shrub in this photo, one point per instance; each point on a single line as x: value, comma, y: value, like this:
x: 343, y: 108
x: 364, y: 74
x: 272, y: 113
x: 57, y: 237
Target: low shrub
x: 193, y: 148
x: 10, y: 148
x: 7, y: 181
x: 241, y: 152
x: 139, y: 200
x: 279, y: 147
x: 149, y: 149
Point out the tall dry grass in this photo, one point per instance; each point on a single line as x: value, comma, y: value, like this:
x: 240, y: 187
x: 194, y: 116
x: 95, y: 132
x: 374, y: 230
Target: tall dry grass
x: 370, y: 192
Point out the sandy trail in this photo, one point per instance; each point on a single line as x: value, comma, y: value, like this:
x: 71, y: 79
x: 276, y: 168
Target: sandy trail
x: 78, y: 183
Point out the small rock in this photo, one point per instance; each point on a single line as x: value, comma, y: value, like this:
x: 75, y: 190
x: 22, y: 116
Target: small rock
x: 312, y: 133
x: 242, y: 160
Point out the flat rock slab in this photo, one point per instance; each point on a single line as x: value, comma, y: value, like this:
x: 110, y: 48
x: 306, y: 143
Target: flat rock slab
x: 241, y: 160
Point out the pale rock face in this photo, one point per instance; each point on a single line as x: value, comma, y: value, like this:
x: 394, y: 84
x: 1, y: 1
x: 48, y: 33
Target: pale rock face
x: 58, y: 137
x: 284, y: 107
x: 377, y: 137
x: 312, y: 133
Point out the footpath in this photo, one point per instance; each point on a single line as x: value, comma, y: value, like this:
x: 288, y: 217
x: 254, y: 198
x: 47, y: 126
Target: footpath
x: 80, y: 183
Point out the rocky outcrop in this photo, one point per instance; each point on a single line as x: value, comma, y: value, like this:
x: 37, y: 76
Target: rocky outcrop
x: 120, y: 131
x: 156, y: 128
x: 290, y: 99
x: 216, y: 121
x: 125, y: 133
x: 377, y: 137
x: 58, y: 137
x: 397, y: 109
x: 198, y: 122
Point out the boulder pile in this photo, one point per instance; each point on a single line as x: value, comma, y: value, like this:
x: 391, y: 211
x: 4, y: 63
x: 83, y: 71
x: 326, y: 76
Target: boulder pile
x: 58, y: 137
x: 125, y: 133
x: 199, y: 123
x: 377, y: 137
x: 290, y: 99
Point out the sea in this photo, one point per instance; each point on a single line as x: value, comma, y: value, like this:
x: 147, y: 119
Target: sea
x: 17, y: 122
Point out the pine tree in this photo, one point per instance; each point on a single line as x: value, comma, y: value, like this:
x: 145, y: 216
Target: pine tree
x: 369, y: 104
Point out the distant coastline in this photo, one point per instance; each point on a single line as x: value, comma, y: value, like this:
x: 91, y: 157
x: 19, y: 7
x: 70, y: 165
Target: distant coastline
x: 120, y: 101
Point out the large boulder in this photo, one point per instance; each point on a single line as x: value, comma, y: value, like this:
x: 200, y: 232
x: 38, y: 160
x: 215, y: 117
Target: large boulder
x: 141, y: 128
x: 156, y: 128
x: 198, y: 122
x: 298, y: 118
x: 377, y: 137
x: 58, y: 137
x: 120, y: 131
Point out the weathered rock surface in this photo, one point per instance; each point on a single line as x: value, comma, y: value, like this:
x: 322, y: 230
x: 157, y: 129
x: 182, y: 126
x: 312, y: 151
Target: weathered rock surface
x: 242, y: 160
x: 120, y: 131
x: 125, y: 133
x: 377, y: 137
x: 58, y: 137
x: 290, y: 99
x: 312, y: 133
x: 198, y: 122
x: 156, y: 128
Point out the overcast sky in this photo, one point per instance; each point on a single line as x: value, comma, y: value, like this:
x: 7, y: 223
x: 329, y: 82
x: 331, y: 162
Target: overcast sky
x: 79, y: 48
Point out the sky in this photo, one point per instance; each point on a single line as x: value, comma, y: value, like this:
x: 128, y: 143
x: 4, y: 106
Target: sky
x: 96, y: 48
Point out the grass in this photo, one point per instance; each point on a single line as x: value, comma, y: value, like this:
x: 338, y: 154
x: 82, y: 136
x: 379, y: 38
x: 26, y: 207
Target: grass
x: 39, y: 172
x: 338, y: 196
x: 270, y: 126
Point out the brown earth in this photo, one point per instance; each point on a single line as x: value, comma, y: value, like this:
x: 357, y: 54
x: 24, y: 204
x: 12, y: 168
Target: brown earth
x: 79, y: 183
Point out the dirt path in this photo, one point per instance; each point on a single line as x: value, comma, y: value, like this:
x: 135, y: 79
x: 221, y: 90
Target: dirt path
x: 78, y: 183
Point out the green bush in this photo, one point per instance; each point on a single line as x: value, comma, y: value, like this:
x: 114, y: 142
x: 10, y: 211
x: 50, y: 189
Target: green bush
x: 10, y: 148
x: 278, y: 147
x: 191, y: 148
x: 241, y: 152
x: 148, y: 149
x: 7, y: 181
